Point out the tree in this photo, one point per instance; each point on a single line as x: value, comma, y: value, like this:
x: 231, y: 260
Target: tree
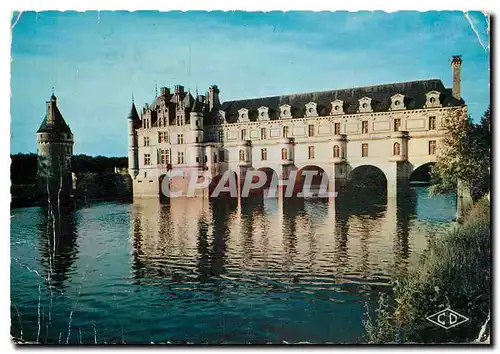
x: 464, y: 155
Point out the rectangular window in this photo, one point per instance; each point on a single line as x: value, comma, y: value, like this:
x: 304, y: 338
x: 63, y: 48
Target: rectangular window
x: 364, y: 127
x: 180, y: 139
x: 263, y: 133
x: 337, y: 128
x: 243, y: 134
x: 147, y: 159
x: 364, y: 150
x: 311, y: 152
x: 146, y: 141
x: 285, y: 131
x: 221, y: 156
x: 162, y: 137
x: 263, y: 154
x: 311, y: 130
x: 180, y: 158
x: 397, y: 124
x: 165, y: 156
x: 432, y: 123
x: 432, y: 147
x: 197, y: 159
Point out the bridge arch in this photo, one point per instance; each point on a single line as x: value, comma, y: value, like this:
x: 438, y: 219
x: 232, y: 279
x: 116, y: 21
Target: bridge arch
x: 368, y: 177
x: 173, y: 184
x: 421, y: 173
x: 271, y: 182
x: 228, y: 177
x: 319, y: 182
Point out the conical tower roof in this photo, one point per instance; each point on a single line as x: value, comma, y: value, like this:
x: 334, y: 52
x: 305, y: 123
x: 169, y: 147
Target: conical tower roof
x: 53, y: 121
x: 133, y: 112
x: 197, y: 105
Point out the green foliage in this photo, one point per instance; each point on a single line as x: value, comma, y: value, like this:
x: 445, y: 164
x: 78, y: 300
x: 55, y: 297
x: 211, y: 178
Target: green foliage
x: 23, y: 168
x: 97, y: 164
x: 454, y: 272
x: 96, y: 178
x: 464, y: 155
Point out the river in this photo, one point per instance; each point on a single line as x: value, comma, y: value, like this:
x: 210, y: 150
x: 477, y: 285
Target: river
x: 214, y: 272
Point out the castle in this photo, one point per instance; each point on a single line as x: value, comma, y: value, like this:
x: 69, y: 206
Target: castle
x: 395, y: 127
x: 55, y: 149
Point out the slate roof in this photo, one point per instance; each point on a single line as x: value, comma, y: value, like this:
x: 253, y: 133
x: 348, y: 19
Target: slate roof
x: 59, y: 125
x: 198, y: 105
x: 184, y: 97
x: 414, y: 91
x: 133, y: 113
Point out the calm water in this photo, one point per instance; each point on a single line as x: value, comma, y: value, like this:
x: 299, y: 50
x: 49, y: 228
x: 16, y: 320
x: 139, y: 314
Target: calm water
x: 194, y: 271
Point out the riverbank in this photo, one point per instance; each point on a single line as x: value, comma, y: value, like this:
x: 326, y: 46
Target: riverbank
x: 454, y: 272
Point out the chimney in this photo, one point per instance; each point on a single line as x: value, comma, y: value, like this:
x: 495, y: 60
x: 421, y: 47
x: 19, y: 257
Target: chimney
x: 213, y: 97
x: 179, y: 89
x: 456, y: 64
x: 164, y: 91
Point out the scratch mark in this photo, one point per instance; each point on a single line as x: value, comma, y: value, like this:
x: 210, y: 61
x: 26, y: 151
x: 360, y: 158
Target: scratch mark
x: 38, y: 333
x: 466, y: 14
x: 17, y: 20
x: 69, y: 326
x: 19, y: 318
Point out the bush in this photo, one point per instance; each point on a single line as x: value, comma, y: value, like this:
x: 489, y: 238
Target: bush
x: 454, y: 272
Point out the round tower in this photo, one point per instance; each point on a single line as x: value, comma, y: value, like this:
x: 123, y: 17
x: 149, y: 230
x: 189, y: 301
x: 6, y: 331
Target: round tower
x: 133, y: 152
x: 55, y: 149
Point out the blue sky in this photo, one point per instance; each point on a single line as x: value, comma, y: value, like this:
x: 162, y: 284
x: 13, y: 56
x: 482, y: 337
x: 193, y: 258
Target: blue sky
x: 96, y: 61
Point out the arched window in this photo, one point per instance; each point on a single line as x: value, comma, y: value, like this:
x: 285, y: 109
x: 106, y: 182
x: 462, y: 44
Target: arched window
x: 242, y: 155
x: 396, y: 149
x: 336, y: 151
x: 284, y: 154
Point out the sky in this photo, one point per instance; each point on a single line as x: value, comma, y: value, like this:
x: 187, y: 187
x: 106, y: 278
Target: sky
x: 96, y: 61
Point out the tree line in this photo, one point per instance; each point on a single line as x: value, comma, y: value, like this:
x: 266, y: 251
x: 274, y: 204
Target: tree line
x: 23, y: 167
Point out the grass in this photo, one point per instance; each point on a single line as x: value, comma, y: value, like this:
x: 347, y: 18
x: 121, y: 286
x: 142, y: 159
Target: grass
x: 454, y: 272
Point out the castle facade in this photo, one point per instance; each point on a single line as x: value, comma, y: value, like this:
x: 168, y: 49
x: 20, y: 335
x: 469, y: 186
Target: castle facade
x: 394, y: 127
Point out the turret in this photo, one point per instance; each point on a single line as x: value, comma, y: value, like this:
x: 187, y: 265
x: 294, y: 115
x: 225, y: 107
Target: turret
x: 55, y: 149
x: 196, y: 119
x: 133, y: 152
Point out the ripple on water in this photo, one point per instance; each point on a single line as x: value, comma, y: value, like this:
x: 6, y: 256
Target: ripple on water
x: 212, y: 272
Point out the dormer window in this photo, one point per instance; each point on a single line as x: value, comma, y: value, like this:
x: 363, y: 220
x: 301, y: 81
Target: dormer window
x: 285, y: 111
x: 263, y: 113
x: 221, y: 117
x: 433, y: 99
x: 397, y: 102
x: 243, y: 115
x: 365, y: 105
x: 337, y: 107
x: 311, y: 109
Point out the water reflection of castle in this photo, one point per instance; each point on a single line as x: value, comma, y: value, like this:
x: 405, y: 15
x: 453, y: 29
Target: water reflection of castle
x: 58, y: 247
x: 292, y: 241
